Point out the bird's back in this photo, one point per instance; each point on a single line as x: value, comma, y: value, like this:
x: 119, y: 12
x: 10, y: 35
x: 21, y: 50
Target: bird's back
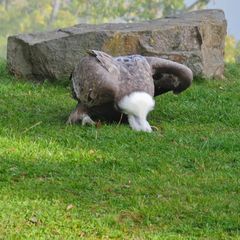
x: 100, y: 78
x: 135, y: 75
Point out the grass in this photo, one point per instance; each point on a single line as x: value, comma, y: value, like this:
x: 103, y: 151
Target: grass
x: 70, y: 182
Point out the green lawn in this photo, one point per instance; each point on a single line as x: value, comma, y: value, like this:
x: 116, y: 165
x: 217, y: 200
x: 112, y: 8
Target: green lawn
x: 74, y: 182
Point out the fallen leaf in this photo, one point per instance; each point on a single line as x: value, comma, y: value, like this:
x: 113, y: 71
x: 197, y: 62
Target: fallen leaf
x: 33, y: 220
x: 91, y: 151
x: 69, y: 207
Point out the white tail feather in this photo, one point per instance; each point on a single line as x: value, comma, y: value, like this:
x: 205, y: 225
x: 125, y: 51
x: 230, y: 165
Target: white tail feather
x: 137, y: 105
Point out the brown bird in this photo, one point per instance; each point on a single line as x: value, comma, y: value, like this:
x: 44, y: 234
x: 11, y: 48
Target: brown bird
x: 108, y: 87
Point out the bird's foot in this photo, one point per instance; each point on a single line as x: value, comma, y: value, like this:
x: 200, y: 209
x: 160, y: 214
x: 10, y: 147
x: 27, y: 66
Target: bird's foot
x: 139, y: 124
x: 86, y: 120
x: 73, y: 118
x: 76, y: 117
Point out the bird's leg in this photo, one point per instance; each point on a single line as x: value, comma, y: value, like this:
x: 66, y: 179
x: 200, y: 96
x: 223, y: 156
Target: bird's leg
x: 139, y: 124
x: 80, y: 114
x: 86, y: 120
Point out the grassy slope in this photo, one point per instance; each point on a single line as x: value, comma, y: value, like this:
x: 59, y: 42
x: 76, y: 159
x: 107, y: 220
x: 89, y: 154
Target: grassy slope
x: 181, y: 182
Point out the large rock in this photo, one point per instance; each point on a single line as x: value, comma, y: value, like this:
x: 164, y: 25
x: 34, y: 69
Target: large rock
x: 195, y: 39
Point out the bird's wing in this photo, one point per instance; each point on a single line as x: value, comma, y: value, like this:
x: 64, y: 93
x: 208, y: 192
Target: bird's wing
x: 96, y: 79
x: 169, y: 75
x: 106, y: 61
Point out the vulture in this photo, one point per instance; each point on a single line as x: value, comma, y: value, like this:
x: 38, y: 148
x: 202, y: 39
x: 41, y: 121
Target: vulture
x: 123, y: 88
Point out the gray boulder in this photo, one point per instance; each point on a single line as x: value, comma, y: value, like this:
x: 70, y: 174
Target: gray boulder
x: 195, y: 39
